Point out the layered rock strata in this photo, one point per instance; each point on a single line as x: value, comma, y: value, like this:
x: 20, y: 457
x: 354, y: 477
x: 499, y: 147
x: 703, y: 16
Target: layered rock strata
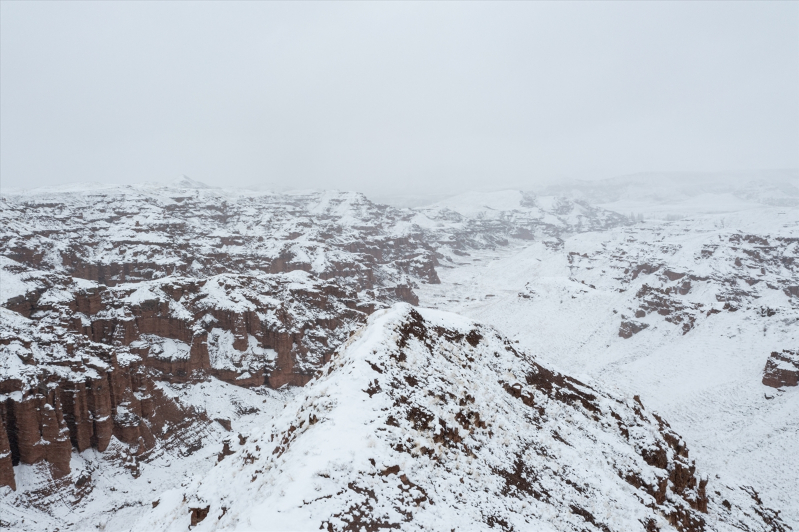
x: 60, y: 391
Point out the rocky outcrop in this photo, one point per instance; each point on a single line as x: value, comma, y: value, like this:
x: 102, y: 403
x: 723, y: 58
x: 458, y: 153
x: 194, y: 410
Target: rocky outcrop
x: 728, y: 273
x: 124, y: 236
x: 250, y: 331
x: 782, y: 369
x: 178, y: 284
x: 42, y: 428
x: 239, y: 328
x: 79, y: 360
x: 37, y: 431
x: 663, y: 301
x: 629, y: 328
x: 137, y: 234
x: 60, y: 391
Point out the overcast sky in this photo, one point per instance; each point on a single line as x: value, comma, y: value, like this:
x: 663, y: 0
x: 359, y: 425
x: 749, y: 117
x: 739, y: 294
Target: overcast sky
x: 393, y: 96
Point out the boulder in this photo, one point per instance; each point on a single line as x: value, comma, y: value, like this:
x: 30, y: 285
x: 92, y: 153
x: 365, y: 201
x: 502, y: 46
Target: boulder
x: 782, y: 369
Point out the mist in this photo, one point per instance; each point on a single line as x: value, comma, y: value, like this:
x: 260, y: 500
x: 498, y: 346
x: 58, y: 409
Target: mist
x: 394, y: 97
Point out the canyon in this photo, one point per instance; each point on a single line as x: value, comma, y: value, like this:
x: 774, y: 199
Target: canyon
x: 182, y: 326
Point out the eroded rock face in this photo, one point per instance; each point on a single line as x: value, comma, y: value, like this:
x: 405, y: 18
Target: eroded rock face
x: 245, y: 329
x: 251, y: 288
x: 6, y: 460
x: 133, y: 234
x: 782, y: 369
x: 672, y: 278
x: 129, y: 235
x: 37, y: 431
x: 118, y: 289
x: 61, y: 391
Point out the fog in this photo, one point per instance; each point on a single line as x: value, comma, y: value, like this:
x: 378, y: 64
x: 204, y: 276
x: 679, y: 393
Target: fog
x: 394, y: 97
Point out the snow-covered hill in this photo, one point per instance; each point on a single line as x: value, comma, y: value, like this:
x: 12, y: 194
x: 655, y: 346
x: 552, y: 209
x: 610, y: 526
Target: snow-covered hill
x: 428, y: 421
x: 146, y: 330
x: 684, y: 314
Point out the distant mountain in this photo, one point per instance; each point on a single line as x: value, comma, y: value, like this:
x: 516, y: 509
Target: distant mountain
x: 694, y: 192
x: 187, y: 182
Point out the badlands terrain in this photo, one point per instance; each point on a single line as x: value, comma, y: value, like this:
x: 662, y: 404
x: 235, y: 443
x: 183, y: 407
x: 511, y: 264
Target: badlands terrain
x: 612, y: 356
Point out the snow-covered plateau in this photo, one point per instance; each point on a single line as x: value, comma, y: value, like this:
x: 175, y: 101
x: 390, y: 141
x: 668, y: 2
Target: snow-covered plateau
x: 608, y: 356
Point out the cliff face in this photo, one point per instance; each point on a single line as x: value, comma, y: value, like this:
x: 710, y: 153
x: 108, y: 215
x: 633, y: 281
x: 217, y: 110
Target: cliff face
x: 133, y: 235
x: 80, y: 359
x: 273, y: 329
x: 61, y: 391
x: 79, y: 253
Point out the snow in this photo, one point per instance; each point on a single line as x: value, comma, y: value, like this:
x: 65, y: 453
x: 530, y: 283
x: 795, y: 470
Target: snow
x: 167, y: 348
x: 477, y: 203
x: 559, y: 295
x: 335, y: 455
x: 707, y: 383
x: 13, y: 284
x: 224, y: 356
x: 107, y: 475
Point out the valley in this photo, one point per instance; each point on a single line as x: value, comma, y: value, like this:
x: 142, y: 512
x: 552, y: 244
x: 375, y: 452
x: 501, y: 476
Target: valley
x: 160, y: 343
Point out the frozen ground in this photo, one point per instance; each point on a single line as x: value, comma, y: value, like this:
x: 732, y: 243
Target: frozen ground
x: 707, y: 383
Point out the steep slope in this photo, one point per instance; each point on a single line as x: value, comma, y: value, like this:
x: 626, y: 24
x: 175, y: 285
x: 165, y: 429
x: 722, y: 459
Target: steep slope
x: 427, y: 421
x: 685, y: 314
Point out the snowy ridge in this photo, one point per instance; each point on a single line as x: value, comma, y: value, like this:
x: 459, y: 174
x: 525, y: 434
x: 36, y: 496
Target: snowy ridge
x: 425, y: 418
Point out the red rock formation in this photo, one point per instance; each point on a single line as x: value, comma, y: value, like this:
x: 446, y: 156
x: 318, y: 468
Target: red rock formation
x: 287, y: 335
x: 782, y: 369
x: 90, y: 398
x: 77, y: 415
x: 6, y: 460
x: 405, y: 293
x: 198, y: 514
x: 36, y: 431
